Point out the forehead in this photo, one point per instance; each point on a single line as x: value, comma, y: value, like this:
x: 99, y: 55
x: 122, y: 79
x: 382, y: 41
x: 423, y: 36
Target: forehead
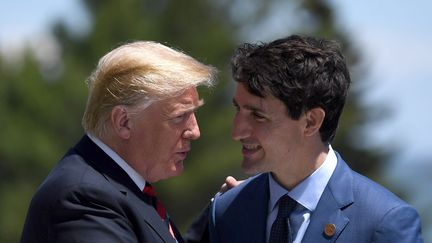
x: 244, y: 98
x: 187, y: 100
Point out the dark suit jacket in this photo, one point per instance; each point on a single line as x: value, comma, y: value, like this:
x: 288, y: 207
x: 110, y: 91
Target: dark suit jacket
x: 87, y: 197
x: 361, y: 210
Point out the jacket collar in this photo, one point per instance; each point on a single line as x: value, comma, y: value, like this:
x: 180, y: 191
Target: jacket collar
x: 113, y: 173
x: 336, y: 196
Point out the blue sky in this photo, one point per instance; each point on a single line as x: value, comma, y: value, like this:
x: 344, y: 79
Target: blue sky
x: 394, y: 37
x: 24, y: 22
x: 25, y: 18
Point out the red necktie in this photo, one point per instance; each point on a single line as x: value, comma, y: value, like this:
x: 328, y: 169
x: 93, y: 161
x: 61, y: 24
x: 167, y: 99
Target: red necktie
x: 151, y: 193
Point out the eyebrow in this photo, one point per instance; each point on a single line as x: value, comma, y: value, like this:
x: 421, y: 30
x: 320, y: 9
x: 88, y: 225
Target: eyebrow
x: 247, y: 107
x: 199, y: 105
x: 192, y: 108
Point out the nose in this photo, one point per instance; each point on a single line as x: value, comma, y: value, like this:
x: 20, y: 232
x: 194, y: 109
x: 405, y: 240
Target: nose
x: 192, y: 131
x: 240, y: 129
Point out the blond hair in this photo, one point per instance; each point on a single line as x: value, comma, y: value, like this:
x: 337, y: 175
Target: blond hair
x: 136, y: 74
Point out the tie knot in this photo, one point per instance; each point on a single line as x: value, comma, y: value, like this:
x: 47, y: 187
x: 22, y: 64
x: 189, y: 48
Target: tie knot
x: 150, y: 193
x: 149, y: 190
x: 286, y: 206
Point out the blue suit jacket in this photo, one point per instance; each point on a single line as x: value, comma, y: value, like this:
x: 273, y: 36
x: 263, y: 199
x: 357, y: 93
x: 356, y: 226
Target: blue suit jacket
x: 87, y: 197
x: 361, y: 210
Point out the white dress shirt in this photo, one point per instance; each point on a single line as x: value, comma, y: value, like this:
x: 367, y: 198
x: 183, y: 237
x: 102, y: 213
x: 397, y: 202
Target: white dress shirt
x: 307, y: 195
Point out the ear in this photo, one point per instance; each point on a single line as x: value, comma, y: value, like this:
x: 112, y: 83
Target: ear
x: 314, y: 120
x: 120, y: 121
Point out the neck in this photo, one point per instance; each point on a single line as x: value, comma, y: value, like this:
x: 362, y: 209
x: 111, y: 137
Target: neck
x: 302, y: 166
x: 113, y: 143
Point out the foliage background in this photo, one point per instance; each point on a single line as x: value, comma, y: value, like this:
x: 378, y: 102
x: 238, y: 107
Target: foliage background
x: 42, y: 101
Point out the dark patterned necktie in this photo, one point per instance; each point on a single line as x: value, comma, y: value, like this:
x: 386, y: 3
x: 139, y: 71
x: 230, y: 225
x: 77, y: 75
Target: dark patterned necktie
x: 281, y: 230
x: 150, y: 192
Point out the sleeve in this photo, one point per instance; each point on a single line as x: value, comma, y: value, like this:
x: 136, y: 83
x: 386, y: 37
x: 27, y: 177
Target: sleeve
x: 199, y: 230
x: 400, y: 224
x: 213, y: 236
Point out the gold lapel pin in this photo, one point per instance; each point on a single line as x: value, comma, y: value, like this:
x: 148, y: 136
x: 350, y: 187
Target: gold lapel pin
x: 330, y: 230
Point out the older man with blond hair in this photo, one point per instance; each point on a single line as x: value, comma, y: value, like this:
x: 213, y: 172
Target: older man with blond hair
x: 139, y: 123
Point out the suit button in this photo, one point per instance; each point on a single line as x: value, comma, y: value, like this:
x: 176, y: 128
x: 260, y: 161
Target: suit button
x: 330, y: 230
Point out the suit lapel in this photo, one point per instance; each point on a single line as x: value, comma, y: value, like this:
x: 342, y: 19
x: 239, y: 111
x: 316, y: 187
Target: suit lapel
x: 337, y: 195
x: 101, y: 162
x: 177, y: 233
x: 154, y: 221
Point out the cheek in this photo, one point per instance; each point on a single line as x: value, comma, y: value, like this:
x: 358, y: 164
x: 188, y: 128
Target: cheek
x: 264, y: 133
x: 274, y: 140
x: 167, y: 142
x: 172, y: 137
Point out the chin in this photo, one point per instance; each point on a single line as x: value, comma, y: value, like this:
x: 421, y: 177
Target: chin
x: 249, y: 170
x: 177, y: 168
x: 249, y: 167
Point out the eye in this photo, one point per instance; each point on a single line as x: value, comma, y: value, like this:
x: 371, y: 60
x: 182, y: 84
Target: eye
x: 179, y: 119
x: 259, y: 117
x: 237, y: 108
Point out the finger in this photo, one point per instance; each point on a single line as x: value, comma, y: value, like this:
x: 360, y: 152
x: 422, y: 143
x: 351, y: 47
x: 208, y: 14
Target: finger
x: 231, y: 182
x: 223, y: 188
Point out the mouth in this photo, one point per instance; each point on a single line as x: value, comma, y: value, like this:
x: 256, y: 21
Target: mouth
x: 182, y: 154
x: 250, y: 148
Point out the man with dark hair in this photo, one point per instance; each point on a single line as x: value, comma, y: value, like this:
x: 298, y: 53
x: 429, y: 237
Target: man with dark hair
x: 289, y: 97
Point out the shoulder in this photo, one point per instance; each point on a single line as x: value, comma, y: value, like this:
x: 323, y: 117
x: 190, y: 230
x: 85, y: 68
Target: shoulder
x: 386, y: 213
x: 370, y: 192
x: 72, y: 195
x: 377, y: 201
x: 360, y: 189
x: 247, y: 187
x: 394, y: 219
x: 245, y: 205
x: 373, y: 208
x: 72, y: 181
x: 246, y: 191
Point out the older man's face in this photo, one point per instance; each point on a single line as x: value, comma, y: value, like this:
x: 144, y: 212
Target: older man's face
x: 161, y: 136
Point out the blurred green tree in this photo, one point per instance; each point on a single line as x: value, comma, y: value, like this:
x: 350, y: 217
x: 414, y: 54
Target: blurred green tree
x: 42, y: 106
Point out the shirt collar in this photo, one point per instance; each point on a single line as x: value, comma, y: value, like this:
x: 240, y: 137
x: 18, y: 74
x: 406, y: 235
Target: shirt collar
x: 137, y: 178
x: 309, y: 191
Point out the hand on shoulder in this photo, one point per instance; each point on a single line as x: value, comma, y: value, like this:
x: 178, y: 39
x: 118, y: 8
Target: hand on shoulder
x: 230, y: 182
